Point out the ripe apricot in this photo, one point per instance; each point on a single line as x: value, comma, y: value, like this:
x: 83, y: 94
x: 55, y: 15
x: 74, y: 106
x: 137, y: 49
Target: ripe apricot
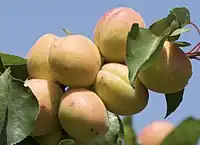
x: 110, y: 32
x: 83, y: 115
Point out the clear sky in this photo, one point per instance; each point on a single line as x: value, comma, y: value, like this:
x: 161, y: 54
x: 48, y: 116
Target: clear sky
x: 23, y: 22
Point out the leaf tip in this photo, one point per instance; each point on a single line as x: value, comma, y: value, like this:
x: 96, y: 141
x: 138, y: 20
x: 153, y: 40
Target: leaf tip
x: 134, y: 31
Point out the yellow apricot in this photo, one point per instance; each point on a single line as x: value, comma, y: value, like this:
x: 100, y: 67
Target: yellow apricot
x: 110, y: 32
x: 37, y: 58
x: 48, y: 95
x: 113, y: 87
x: 83, y: 115
x: 75, y: 61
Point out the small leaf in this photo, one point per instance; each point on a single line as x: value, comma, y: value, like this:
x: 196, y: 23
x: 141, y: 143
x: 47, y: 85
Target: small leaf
x: 121, y: 132
x: 186, y: 133
x: 182, y: 15
x: 3, y: 134
x: 160, y: 26
x: 112, y: 136
x: 28, y: 141
x: 9, y: 59
x: 182, y: 43
x: 19, y: 71
x: 174, y: 38
x: 2, y: 67
x: 141, y: 49
x: 130, y: 137
x: 173, y: 100
x: 178, y: 17
x: 67, y: 142
x: 21, y: 106
x: 179, y: 31
x: 23, y: 109
x: 17, y: 65
x: 5, y: 82
x: 135, y: 31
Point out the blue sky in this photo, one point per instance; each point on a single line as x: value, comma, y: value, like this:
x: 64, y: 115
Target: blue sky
x: 23, y: 22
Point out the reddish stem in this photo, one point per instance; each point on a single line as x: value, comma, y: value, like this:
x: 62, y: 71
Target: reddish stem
x: 194, y: 52
x: 198, y: 48
x: 195, y: 27
x: 193, y: 49
x: 193, y: 55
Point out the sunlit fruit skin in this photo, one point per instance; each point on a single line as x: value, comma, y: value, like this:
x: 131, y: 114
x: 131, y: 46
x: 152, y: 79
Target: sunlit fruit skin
x: 48, y: 95
x: 52, y: 138
x: 113, y: 87
x: 110, y: 32
x: 155, y: 133
x: 83, y: 115
x: 37, y: 58
x: 169, y: 72
x: 75, y: 61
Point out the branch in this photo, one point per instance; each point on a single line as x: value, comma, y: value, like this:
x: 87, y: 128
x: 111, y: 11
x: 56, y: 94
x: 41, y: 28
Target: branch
x: 193, y: 55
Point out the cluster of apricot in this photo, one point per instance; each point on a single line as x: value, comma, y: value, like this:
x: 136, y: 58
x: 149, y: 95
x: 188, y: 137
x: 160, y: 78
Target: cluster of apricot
x: 96, y: 76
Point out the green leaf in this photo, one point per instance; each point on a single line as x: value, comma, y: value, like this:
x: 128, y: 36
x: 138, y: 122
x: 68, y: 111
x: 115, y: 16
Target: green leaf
x: 113, y: 136
x: 173, y: 100
x: 22, y: 109
x: 182, y: 15
x: 159, y: 27
x: 19, y: 71
x: 3, y: 134
x: 28, y: 141
x: 142, y: 47
x: 67, y: 142
x: 2, y: 67
x: 130, y: 137
x: 186, y: 133
x: 5, y: 82
x: 9, y: 59
x: 17, y: 65
x: 178, y: 17
x: 179, y: 31
x: 121, y: 132
x: 182, y: 43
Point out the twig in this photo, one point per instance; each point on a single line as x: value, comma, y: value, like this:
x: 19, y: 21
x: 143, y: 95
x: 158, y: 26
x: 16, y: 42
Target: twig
x: 66, y: 31
x: 196, y: 46
x: 195, y: 27
x: 193, y: 55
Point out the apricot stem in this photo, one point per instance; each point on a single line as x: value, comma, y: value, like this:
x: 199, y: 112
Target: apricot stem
x: 193, y: 49
x: 195, y: 27
x: 66, y: 31
x: 193, y: 55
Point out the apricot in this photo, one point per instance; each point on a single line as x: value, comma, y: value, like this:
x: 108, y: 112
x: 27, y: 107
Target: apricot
x: 83, y: 115
x: 113, y: 87
x: 155, y: 133
x: 169, y: 72
x: 110, y: 32
x: 37, y: 58
x: 48, y: 95
x: 75, y: 61
x: 50, y: 138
